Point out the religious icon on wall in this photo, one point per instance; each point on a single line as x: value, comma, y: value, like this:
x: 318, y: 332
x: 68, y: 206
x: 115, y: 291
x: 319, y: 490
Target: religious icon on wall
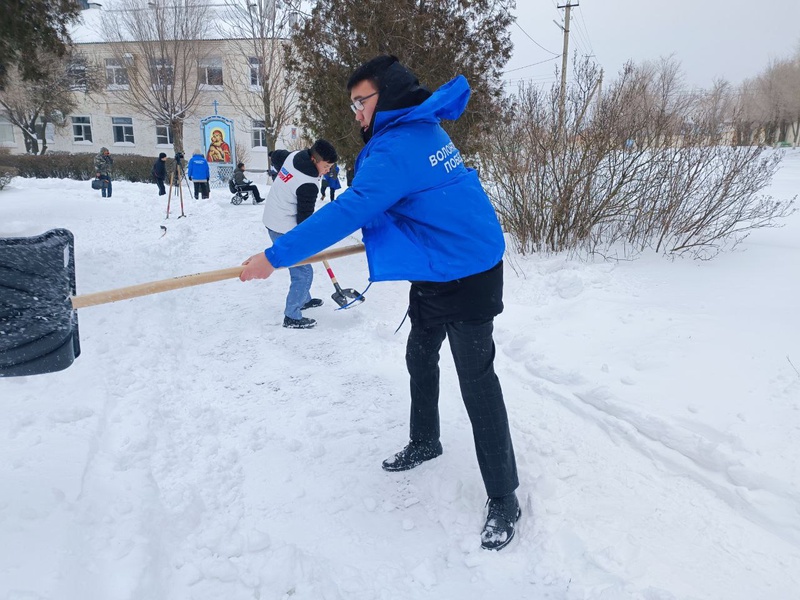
x: 218, y: 148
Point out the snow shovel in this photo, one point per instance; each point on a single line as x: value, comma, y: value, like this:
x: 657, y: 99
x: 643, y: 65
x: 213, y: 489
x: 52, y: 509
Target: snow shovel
x: 38, y: 316
x: 345, y: 298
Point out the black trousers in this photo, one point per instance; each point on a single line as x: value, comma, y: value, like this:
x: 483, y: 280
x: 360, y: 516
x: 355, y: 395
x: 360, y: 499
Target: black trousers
x: 253, y: 189
x: 160, y: 184
x: 324, y: 186
x: 473, y: 351
x: 201, y: 188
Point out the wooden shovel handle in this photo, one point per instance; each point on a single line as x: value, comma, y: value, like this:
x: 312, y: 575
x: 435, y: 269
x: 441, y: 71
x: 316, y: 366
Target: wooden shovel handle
x: 182, y: 281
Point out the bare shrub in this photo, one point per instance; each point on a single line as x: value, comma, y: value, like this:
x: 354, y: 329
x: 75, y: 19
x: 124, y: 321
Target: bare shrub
x: 642, y: 166
x: 127, y: 167
x: 243, y: 155
x: 6, y: 175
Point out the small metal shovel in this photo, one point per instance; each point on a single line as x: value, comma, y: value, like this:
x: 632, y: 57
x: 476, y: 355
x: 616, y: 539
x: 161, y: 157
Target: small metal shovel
x: 345, y: 298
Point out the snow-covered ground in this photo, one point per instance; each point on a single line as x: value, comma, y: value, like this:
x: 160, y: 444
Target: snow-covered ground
x: 198, y: 450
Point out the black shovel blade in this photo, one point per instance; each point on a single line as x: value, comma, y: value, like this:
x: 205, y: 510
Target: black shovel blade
x: 38, y: 326
x: 347, y: 298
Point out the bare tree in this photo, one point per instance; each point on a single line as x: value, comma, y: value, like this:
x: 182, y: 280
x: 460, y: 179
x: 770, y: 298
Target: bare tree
x: 788, y: 74
x: 749, y: 115
x: 260, y: 30
x: 645, y: 166
x: 159, y: 44
x: 33, y: 105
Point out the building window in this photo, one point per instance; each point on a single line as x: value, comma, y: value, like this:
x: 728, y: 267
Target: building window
x: 163, y: 134
x: 77, y: 73
x: 81, y: 129
x: 45, y: 132
x: 116, y: 74
x: 123, y: 129
x: 6, y: 132
x: 210, y: 73
x: 162, y: 73
x: 259, y: 134
x: 255, y: 72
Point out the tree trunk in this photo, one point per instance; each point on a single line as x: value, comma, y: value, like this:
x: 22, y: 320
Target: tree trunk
x: 176, y: 125
x: 31, y: 141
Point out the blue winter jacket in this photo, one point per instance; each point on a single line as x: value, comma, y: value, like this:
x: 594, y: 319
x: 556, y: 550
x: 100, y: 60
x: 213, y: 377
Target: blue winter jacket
x: 433, y: 223
x: 198, y: 168
x: 333, y: 180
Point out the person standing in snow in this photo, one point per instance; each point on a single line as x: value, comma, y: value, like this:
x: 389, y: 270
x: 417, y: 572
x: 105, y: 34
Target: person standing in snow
x: 102, y: 166
x: 439, y: 231
x: 198, y: 173
x: 291, y: 200
x: 331, y: 181
x: 159, y: 172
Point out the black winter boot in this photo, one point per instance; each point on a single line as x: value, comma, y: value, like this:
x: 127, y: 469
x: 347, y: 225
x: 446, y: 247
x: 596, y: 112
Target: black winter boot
x: 412, y: 456
x: 301, y: 323
x: 504, y: 512
x: 313, y: 303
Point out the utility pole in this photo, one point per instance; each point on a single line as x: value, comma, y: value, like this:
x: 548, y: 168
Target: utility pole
x: 564, y: 60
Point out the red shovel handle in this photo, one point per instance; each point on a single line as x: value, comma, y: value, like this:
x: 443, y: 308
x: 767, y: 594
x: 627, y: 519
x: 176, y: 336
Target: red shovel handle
x: 330, y: 272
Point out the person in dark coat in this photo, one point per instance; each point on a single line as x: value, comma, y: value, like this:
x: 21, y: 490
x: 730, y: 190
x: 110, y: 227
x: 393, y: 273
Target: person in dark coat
x: 159, y: 173
x: 244, y: 184
x: 103, y: 164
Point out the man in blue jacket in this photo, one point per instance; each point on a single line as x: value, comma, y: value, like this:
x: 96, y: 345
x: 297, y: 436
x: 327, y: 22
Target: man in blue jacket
x: 439, y: 231
x: 199, y: 174
x: 331, y: 181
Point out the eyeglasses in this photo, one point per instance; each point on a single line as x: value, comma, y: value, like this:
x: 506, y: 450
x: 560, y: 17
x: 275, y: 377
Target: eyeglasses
x: 358, y: 103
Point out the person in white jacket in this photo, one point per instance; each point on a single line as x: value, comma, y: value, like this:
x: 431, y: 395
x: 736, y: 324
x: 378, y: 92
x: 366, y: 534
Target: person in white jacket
x: 291, y: 200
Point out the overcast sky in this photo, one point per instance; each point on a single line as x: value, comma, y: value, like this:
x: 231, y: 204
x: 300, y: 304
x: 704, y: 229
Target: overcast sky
x: 732, y: 39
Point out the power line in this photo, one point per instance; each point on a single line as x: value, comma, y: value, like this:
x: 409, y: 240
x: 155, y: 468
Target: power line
x: 533, y: 40
x: 583, y: 34
x: 582, y: 23
x: 532, y: 64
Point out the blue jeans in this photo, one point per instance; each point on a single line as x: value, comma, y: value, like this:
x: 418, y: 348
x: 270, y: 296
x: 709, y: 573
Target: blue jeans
x: 106, y: 190
x: 299, y: 289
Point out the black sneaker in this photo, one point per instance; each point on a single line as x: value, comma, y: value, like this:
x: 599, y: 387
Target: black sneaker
x: 504, y: 512
x: 412, y: 456
x: 301, y: 323
x: 313, y: 303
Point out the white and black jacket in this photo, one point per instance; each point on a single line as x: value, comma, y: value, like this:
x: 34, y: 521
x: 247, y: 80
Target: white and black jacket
x: 293, y: 195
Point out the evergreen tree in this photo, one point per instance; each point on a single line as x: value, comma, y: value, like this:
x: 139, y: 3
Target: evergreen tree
x: 436, y: 39
x: 40, y: 25
x: 35, y: 105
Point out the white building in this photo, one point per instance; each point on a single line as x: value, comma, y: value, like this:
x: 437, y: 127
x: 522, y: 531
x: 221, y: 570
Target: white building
x: 109, y: 119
